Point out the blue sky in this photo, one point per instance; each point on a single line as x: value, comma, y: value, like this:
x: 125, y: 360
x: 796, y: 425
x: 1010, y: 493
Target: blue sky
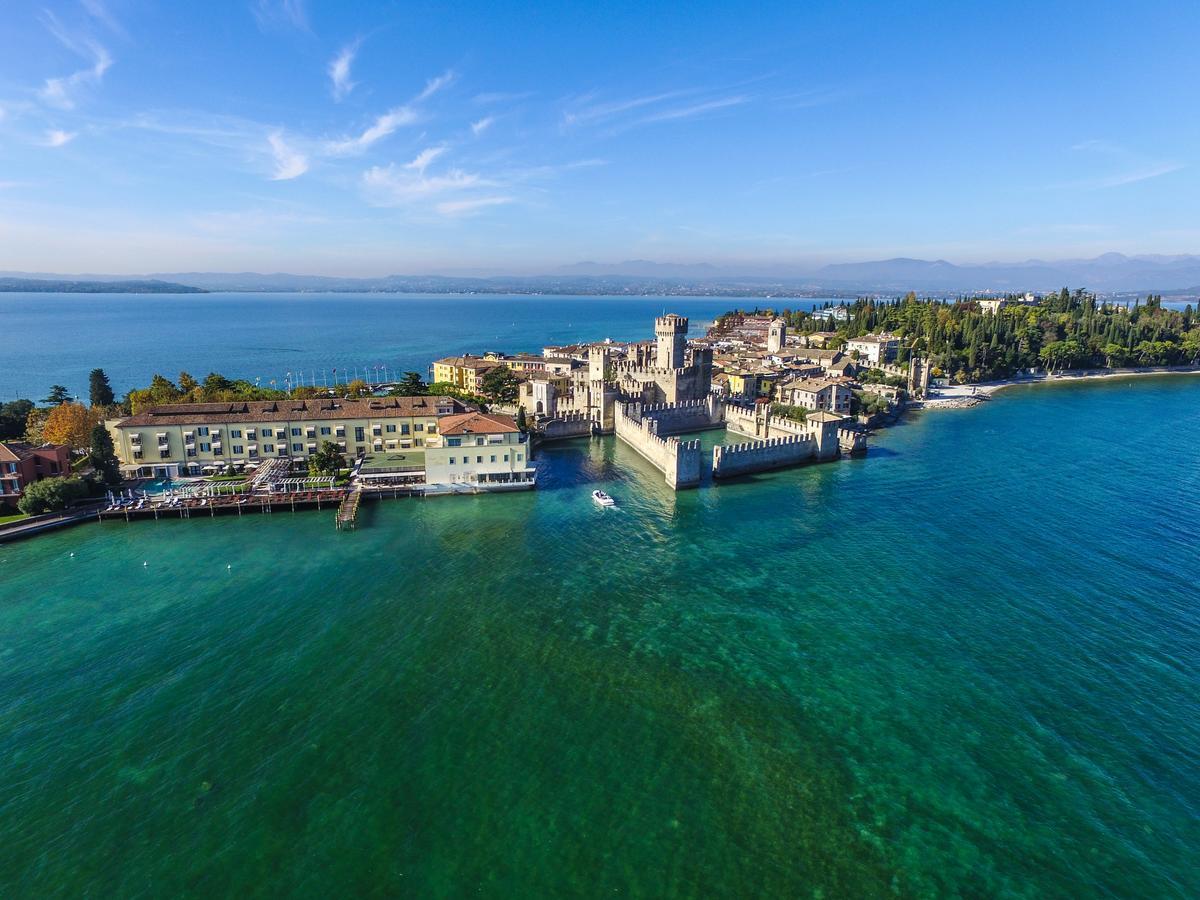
x: 374, y: 138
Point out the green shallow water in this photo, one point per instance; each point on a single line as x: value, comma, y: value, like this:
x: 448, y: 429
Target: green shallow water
x: 968, y: 664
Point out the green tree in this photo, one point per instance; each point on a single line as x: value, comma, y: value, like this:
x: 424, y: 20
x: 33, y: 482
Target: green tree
x: 327, y: 461
x: 58, y: 395
x: 103, y: 456
x: 522, y: 424
x: 187, y: 383
x: 50, y: 494
x: 410, y: 385
x: 13, y: 416
x: 500, y: 385
x: 100, y: 392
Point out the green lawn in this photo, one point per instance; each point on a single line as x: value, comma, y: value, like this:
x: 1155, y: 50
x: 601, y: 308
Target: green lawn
x: 15, y: 517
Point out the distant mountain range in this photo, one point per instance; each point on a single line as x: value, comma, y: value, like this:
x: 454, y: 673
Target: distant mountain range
x: 1111, y: 273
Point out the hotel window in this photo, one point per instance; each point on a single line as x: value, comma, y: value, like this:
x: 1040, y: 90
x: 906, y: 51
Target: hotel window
x: 419, y: 426
x: 295, y: 432
x: 493, y: 457
x: 358, y: 433
x: 206, y: 448
x: 433, y: 428
x: 312, y: 431
x: 267, y: 432
x: 251, y: 435
x: 236, y: 432
x: 479, y: 459
x: 404, y: 428
x: 453, y: 442
x: 268, y: 448
x: 324, y: 429
x: 479, y: 442
x: 506, y: 457
x: 419, y: 442
x: 237, y: 449
x: 391, y: 429
x: 452, y: 460
x: 341, y: 431
x: 519, y: 457
x: 297, y: 448
x: 202, y: 431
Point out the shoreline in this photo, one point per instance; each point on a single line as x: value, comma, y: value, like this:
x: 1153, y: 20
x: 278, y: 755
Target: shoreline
x: 964, y: 396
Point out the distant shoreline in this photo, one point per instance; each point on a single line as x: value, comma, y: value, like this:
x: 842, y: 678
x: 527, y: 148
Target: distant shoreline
x: 963, y: 396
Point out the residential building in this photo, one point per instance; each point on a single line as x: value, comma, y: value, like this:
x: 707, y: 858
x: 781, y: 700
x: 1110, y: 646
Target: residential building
x: 991, y: 307
x: 22, y: 464
x: 197, y: 438
x: 464, y: 372
x: 875, y: 348
x: 817, y: 393
x: 481, y: 450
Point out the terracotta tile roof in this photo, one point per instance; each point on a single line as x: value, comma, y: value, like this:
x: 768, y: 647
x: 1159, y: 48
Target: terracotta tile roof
x: 293, y: 410
x: 477, y: 423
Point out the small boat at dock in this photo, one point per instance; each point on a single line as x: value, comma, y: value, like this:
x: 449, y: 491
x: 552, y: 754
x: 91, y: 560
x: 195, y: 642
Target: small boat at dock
x: 603, y: 499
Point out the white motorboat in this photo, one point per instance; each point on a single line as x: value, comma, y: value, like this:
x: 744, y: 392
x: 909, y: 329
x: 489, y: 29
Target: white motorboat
x: 603, y: 499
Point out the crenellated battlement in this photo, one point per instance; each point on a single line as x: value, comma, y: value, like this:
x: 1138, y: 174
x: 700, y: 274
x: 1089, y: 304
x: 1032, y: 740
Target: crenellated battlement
x: 760, y: 456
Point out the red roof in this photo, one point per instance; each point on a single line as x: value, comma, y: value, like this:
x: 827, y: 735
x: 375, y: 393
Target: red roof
x: 477, y: 423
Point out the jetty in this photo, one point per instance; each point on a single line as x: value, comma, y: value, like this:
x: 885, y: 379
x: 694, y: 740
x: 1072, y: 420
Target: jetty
x: 347, y: 514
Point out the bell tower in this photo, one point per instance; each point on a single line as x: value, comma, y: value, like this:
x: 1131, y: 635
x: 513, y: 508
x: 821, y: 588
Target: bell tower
x: 776, y: 336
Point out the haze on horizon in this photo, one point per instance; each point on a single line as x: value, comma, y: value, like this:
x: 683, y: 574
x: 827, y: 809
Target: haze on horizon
x: 364, y: 139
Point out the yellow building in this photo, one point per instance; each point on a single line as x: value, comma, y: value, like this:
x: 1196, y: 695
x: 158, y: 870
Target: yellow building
x: 199, y: 438
x: 464, y: 372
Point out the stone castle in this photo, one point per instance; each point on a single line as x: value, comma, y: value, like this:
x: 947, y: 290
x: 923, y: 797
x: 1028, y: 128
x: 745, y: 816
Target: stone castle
x: 646, y: 393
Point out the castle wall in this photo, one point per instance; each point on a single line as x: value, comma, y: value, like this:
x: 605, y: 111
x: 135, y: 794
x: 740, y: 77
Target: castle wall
x: 761, y: 456
x: 567, y: 425
x: 742, y: 419
x: 689, y: 415
x: 678, y: 460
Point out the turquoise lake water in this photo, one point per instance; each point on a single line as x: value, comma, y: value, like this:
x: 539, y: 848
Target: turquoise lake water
x: 965, y: 665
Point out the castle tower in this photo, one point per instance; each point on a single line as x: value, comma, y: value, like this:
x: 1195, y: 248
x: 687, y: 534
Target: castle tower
x: 670, y: 333
x: 776, y: 336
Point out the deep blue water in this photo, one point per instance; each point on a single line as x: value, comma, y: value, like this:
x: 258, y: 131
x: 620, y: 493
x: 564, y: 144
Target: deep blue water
x: 59, y: 338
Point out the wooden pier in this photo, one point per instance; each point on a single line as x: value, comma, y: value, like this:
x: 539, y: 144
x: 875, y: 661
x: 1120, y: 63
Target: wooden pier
x: 347, y: 514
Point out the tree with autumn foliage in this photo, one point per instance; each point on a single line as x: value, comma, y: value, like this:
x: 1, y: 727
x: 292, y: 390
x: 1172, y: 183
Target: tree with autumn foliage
x: 71, y: 424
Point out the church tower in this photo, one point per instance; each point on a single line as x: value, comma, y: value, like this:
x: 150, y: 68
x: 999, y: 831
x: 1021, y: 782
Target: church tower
x: 777, y: 336
x: 670, y: 334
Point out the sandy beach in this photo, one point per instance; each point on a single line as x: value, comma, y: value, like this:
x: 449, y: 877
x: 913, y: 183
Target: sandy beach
x: 962, y: 396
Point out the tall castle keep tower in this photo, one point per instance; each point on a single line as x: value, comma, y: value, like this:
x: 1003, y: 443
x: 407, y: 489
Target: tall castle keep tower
x: 670, y: 333
x: 776, y: 336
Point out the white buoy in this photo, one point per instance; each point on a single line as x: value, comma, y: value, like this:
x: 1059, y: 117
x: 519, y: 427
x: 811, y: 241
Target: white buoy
x: 145, y: 563
x: 229, y: 567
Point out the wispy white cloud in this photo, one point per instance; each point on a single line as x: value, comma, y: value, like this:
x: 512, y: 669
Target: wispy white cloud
x: 696, y: 109
x: 60, y: 92
x: 600, y: 111
x: 289, y: 163
x: 471, y: 206
x: 273, y: 14
x: 56, y: 137
x: 433, y: 85
x: 394, y: 185
x: 100, y: 12
x: 424, y: 158
x: 382, y: 127
x: 1132, y: 177
x: 339, y: 71
x: 1120, y: 179
x: 479, y: 126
